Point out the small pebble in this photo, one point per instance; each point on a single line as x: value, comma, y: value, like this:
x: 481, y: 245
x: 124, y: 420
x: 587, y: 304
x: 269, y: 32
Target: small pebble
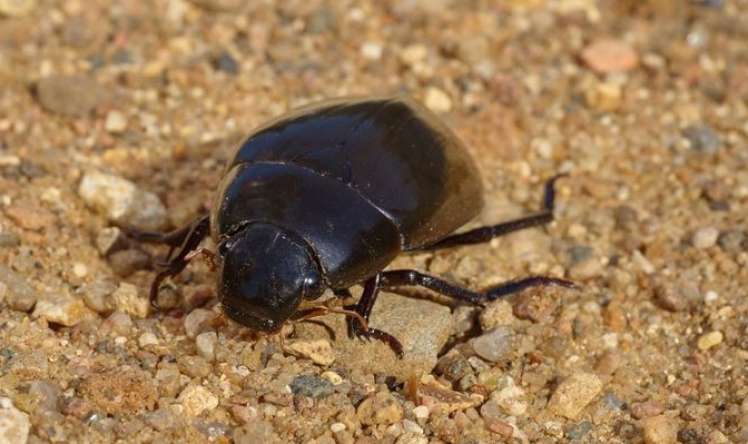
x: 198, y: 321
x: 642, y: 262
x: 206, y: 345
x: 497, y: 313
x: 14, y: 424
x: 122, y: 202
x: 703, y: 138
x: 709, y: 340
x: 705, y: 237
x: 437, y: 100
x: 334, y: 378
x: 604, y: 96
x: 97, y: 296
x: 227, y: 63
x: 371, y: 50
x: 196, y: 399
x: 62, y: 309
x: 126, y: 262
x: 194, y: 366
x: 80, y: 270
x: 578, y: 431
x: 607, y: 55
x: 312, y: 386
x: 588, y: 268
x: 30, y: 217
x: 9, y: 240
x: 147, y: 339
x: 119, y: 323
x: 574, y: 393
x: 382, y: 408
x: 412, y: 438
x: 19, y: 294
x: 70, y: 96
x: 16, y: 8
x: 494, y: 345
x: 115, y: 122
x: 733, y: 241
x: 640, y: 410
x: 127, y: 300
x: 319, y: 351
x: 109, y: 240
x: 660, y: 429
x: 421, y: 412
x: 668, y: 296
x: 337, y: 427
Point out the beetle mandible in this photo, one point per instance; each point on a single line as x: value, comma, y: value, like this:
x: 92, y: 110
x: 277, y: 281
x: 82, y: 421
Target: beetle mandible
x: 326, y: 197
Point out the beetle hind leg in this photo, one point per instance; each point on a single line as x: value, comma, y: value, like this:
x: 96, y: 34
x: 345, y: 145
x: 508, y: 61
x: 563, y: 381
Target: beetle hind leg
x: 396, y: 278
x: 485, y: 234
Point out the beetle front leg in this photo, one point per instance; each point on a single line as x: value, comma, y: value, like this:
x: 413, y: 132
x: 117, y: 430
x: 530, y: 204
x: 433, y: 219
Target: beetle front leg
x: 183, y: 240
x: 363, y: 307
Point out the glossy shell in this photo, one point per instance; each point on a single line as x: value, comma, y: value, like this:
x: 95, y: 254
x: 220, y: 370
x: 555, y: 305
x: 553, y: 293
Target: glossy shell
x: 359, y: 180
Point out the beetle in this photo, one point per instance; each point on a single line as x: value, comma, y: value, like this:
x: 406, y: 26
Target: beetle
x: 325, y: 197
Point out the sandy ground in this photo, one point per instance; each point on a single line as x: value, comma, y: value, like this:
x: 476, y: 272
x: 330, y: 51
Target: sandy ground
x: 125, y: 113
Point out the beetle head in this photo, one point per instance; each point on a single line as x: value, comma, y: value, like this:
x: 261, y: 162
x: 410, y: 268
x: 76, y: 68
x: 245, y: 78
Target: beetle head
x: 265, y: 273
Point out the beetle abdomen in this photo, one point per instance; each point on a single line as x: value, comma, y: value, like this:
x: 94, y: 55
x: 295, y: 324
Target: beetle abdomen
x: 392, y: 151
x: 351, y: 238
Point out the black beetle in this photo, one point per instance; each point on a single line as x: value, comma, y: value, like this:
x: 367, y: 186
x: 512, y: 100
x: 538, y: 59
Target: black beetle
x: 326, y: 197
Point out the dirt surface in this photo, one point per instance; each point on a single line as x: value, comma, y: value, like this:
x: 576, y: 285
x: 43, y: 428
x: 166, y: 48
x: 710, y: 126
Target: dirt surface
x: 124, y: 113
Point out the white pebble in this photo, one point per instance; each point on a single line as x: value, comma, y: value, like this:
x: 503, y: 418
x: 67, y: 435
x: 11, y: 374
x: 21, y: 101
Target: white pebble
x: 334, y: 378
x: 421, y: 412
x: 412, y: 427
x: 437, y: 100
x: 337, y: 427
x: 371, y: 50
x: 196, y: 399
x: 147, y: 339
x: 80, y: 270
x: 115, y: 122
x: 705, y: 237
x: 121, y: 201
x: 14, y: 424
x: 206, y: 345
x: 711, y: 296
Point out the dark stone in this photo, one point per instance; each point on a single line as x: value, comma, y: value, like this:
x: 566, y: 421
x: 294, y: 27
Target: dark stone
x: 577, y: 431
x: 312, y: 386
x: 224, y: 62
x: 703, y: 138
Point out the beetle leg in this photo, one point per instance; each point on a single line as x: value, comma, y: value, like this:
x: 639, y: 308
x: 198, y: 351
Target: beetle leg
x: 484, y: 234
x: 363, y: 308
x: 172, y: 238
x: 397, y: 278
x: 174, y: 265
